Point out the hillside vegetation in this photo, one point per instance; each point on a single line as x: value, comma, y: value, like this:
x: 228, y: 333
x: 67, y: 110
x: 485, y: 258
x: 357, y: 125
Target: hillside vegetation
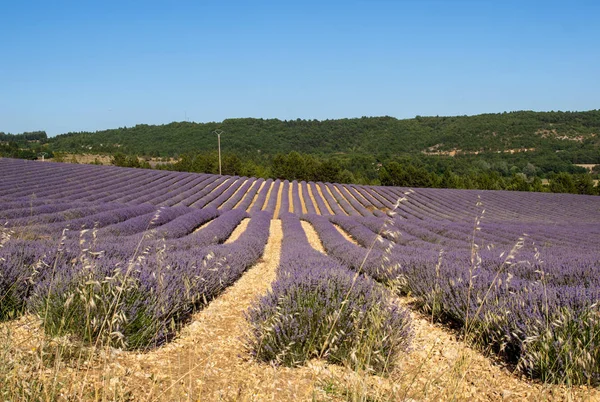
x: 508, y: 151
x: 575, y: 133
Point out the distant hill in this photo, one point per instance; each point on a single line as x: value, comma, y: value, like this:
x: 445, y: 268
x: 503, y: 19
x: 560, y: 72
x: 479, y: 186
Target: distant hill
x: 576, y: 135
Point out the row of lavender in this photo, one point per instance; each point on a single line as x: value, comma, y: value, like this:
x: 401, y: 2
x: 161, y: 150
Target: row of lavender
x: 87, y: 183
x: 106, y: 184
x: 132, y: 273
x: 539, y: 313
x: 439, y: 217
x: 317, y: 308
x: 144, y: 271
x: 532, y: 298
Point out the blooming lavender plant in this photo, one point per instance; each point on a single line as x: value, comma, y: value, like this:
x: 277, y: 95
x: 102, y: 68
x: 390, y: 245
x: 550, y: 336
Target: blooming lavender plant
x: 140, y: 302
x: 317, y: 308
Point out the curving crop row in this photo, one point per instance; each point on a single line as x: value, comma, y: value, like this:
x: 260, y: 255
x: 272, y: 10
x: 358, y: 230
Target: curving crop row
x: 318, y: 308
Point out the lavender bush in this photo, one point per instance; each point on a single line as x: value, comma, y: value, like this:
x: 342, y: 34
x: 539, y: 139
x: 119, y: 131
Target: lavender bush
x: 144, y: 301
x: 317, y: 308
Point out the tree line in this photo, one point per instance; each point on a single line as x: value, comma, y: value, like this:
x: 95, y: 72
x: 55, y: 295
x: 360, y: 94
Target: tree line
x: 513, y: 151
x: 404, y: 172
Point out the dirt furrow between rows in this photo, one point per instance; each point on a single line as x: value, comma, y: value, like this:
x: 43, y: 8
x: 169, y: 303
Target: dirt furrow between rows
x: 441, y: 367
x: 208, y: 361
x: 312, y: 198
x: 302, y: 200
x: 253, y: 198
x: 320, y: 192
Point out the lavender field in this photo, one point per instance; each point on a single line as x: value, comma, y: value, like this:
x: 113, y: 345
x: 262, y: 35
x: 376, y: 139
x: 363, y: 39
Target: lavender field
x: 515, y: 273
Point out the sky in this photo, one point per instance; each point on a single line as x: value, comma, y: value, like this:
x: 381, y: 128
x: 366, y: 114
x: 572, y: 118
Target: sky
x: 87, y: 66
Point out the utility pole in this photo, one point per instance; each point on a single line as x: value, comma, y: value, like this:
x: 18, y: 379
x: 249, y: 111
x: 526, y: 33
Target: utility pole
x: 218, y: 133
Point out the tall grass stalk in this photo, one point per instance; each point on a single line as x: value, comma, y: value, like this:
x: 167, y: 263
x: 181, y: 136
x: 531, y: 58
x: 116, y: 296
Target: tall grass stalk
x: 37, y: 374
x: 357, y: 274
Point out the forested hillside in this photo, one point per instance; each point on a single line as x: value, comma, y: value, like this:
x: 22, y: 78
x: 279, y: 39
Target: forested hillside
x: 23, y: 146
x: 572, y: 133
x: 507, y: 151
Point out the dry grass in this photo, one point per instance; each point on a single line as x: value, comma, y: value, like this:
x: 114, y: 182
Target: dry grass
x: 207, y: 361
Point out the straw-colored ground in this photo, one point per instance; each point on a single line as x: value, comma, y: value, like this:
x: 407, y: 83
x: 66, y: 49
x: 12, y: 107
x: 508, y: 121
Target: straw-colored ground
x: 208, y: 361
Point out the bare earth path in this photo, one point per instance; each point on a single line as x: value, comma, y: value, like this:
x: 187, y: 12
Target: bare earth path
x: 278, y: 203
x: 312, y: 198
x: 302, y: 201
x: 441, y: 367
x: 208, y: 361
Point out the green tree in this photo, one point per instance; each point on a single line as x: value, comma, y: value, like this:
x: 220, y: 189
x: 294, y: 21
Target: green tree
x: 562, y: 183
x: 585, y: 184
x: 518, y: 182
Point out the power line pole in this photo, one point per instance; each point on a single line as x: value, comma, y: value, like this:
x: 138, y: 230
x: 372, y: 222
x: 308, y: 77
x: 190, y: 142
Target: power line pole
x: 218, y: 133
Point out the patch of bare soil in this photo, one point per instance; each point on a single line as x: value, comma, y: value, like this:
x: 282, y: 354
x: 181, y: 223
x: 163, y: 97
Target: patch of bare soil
x: 278, y: 203
x: 346, y: 235
x: 319, y: 190
x: 343, y: 196
x: 312, y: 198
x: 254, y: 198
x: 217, y: 190
x: 347, y: 194
x: 268, y: 196
x: 588, y: 166
x: 82, y: 158
x: 238, y: 231
x: 203, y: 226
x: 328, y: 190
x: 291, y: 205
x: 313, y: 237
x: 234, y: 194
x: 302, y: 201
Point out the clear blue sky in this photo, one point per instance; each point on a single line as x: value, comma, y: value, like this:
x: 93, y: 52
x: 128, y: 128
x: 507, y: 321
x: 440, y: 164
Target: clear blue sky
x: 73, y: 66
